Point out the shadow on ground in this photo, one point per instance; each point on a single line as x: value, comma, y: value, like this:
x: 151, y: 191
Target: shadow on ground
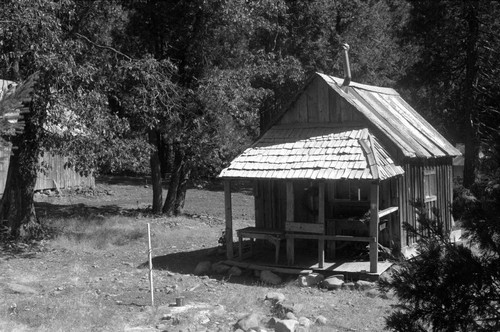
x: 81, y: 210
x: 184, y: 262
x: 126, y: 180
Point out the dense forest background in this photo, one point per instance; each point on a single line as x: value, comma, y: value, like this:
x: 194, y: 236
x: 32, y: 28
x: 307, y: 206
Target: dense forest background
x: 180, y: 87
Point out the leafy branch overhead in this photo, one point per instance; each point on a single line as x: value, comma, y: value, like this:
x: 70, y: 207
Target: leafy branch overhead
x: 14, y: 102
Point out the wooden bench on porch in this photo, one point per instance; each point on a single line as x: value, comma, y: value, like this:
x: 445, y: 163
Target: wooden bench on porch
x: 271, y: 235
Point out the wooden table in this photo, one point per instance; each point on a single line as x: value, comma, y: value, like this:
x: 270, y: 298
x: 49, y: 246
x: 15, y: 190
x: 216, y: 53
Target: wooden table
x: 272, y: 235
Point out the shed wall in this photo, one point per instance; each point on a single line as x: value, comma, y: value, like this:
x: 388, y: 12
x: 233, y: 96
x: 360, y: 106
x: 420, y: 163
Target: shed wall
x: 321, y: 104
x: 415, y: 185
x: 55, y: 173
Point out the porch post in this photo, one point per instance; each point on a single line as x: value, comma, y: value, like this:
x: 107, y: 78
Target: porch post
x: 229, y: 219
x: 290, y: 211
x: 374, y: 219
x: 321, y: 220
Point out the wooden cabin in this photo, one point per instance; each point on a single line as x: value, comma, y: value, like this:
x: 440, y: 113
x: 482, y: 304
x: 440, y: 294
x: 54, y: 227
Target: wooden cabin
x: 342, y: 165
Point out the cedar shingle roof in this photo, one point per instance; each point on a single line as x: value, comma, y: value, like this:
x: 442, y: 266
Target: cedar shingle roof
x: 385, y: 108
x: 330, y: 153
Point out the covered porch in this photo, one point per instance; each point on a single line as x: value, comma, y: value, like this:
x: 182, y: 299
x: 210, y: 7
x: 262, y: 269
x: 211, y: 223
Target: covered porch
x: 301, y: 246
x: 315, y: 189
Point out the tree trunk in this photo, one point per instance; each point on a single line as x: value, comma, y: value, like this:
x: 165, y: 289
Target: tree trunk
x: 469, y: 104
x: 155, y: 172
x: 175, y: 180
x: 470, y: 156
x: 166, y: 155
x: 17, y: 206
x: 181, y: 190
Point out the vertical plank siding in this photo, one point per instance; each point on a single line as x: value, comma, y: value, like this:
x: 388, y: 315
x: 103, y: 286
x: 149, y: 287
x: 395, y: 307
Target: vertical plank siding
x: 270, y: 204
x: 323, y: 102
x: 320, y: 104
x: 57, y: 174
x: 54, y: 176
x: 412, y: 187
x: 312, y: 102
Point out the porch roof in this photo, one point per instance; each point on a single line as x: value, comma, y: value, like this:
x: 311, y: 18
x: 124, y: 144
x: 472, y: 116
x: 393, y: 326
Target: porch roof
x: 318, y: 152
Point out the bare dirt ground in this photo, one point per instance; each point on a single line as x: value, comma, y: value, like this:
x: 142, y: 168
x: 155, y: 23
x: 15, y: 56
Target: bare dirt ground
x: 93, y: 276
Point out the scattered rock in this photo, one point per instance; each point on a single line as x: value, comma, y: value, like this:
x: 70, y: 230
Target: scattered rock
x: 234, y: 271
x: 304, y: 321
x: 275, y: 297
x: 286, y: 325
x: 166, y: 317
x: 365, y: 285
x: 373, y: 293
x: 219, y: 310
x: 220, y: 268
x: 321, y: 320
x: 339, y: 276
x: 251, y: 321
x: 297, y: 307
x: 387, y: 295
x: 202, y: 268
x: 332, y: 283
x: 290, y: 315
x: 287, y: 306
x: 202, y: 317
x: 270, y: 278
x: 20, y: 289
x: 349, y: 285
x: 162, y: 327
x: 310, y: 280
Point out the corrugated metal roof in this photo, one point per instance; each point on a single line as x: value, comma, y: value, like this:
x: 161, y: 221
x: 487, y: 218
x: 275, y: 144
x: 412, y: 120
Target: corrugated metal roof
x: 385, y: 108
x: 329, y: 153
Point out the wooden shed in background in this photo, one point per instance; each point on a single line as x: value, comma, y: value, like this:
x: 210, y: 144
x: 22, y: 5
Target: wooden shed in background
x: 55, y: 176
x: 342, y: 164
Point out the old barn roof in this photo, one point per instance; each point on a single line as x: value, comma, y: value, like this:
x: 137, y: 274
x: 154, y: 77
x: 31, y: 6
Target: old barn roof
x: 330, y: 153
x: 388, y: 112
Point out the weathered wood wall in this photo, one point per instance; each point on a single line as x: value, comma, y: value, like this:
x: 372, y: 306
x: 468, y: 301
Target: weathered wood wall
x: 270, y: 204
x: 55, y: 173
x: 389, y: 227
x: 320, y: 104
x: 413, y: 186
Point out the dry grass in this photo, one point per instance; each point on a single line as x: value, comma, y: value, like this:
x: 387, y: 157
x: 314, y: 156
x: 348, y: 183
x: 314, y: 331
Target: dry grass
x: 91, y: 277
x: 96, y: 234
